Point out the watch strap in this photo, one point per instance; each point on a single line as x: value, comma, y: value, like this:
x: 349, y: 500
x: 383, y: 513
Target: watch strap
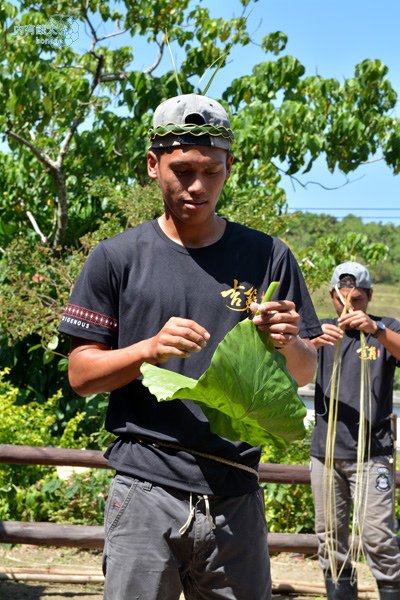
x: 380, y: 329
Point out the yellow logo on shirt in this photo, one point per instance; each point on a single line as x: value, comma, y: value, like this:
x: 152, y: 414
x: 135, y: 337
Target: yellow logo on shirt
x: 368, y: 353
x: 240, y: 297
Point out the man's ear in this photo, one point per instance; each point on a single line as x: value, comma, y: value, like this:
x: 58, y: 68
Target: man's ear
x: 370, y: 292
x: 152, y: 165
x: 229, y: 162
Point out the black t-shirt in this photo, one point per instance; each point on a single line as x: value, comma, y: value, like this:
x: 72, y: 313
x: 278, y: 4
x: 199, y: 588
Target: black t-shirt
x: 382, y: 366
x: 128, y: 289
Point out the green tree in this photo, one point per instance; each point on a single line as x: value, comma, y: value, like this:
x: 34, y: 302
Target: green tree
x: 73, y: 116
x: 47, y: 93
x: 388, y: 270
x: 321, y: 241
x: 281, y: 116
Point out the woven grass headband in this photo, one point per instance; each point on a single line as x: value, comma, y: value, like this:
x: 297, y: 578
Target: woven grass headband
x: 196, y: 130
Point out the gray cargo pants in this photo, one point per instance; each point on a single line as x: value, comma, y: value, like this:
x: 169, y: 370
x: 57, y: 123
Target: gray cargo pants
x: 379, y: 536
x: 160, y: 541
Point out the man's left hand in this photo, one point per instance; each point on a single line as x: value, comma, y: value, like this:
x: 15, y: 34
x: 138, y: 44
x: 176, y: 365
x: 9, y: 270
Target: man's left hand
x: 279, y: 319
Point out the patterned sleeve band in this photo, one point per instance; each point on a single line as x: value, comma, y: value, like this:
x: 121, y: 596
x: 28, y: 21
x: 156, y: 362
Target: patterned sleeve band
x: 78, y: 315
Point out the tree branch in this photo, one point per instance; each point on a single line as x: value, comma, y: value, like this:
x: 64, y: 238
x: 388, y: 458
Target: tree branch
x: 111, y: 35
x: 373, y: 160
x: 75, y: 124
x: 35, y: 226
x: 34, y: 222
x: 107, y: 77
x: 40, y: 154
x: 321, y: 185
x: 88, y: 21
x: 62, y: 212
x: 159, y: 57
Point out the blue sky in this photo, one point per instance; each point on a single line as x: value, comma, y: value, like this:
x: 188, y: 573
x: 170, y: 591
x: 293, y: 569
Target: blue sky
x: 330, y: 39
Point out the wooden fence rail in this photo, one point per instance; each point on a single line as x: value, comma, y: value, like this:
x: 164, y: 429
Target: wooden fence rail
x: 92, y: 537
x: 53, y: 534
x: 40, y: 455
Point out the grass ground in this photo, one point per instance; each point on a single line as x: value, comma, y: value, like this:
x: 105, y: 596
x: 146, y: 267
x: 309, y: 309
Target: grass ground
x: 287, y: 569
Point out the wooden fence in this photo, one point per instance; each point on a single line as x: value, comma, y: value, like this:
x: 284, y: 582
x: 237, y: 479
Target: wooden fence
x: 53, y: 534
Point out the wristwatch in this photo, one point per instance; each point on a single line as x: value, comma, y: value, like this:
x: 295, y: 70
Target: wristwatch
x: 381, y: 328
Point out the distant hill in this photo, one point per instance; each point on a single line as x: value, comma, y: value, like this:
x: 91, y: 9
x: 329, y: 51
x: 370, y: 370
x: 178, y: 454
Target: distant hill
x: 304, y: 231
x: 385, y: 301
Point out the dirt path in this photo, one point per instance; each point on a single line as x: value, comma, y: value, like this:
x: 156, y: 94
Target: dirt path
x: 286, y: 569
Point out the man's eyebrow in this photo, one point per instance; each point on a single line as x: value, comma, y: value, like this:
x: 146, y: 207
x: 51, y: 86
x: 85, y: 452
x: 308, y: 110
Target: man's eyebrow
x: 184, y: 163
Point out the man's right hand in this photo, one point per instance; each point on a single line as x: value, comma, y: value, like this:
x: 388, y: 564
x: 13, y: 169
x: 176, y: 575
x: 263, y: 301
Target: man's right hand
x: 96, y: 367
x: 331, y: 334
x: 179, y: 337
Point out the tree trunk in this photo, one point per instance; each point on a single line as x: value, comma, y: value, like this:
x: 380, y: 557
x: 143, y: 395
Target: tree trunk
x: 62, y: 209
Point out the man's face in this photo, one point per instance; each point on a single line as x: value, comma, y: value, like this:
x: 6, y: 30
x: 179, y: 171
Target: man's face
x: 191, y: 180
x: 359, y: 299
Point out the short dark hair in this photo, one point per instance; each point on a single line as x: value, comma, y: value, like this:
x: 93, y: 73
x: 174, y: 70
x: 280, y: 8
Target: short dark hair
x: 347, y: 281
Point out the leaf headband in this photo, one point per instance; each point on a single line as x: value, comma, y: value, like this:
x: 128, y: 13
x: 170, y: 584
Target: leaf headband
x: 196, y: 130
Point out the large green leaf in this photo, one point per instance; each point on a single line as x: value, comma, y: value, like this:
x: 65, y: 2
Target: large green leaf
x: 246, y: 393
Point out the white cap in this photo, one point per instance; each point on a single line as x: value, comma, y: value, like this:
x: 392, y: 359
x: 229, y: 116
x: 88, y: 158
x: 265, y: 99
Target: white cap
x: 190, y: 119
x: 359, y: 272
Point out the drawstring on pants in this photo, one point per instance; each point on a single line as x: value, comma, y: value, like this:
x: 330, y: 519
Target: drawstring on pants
x: 190, y: 518
x: 186, y: 525
x: 208, y: 514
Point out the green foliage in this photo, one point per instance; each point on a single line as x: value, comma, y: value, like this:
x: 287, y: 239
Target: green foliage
x: 295, y: 119
x: 75, y: 122
x: 47, y: 94
x: 124, y: 206
x: 32, y: 424
x: 332, y: 250
x: 35, y: 283
x: 289, y: 508
x: 79, y: 499
x: 320, y: 242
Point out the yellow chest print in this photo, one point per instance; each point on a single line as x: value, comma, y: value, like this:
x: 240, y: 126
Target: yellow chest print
x: 368, y: 353
x: 239, y: 297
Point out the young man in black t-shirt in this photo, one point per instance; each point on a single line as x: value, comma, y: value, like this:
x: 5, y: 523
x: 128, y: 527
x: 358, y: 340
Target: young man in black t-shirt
x: 185, y: 510
x: 352, y: 281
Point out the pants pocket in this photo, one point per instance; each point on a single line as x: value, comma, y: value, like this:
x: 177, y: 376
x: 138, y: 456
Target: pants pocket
x: 121, y: 491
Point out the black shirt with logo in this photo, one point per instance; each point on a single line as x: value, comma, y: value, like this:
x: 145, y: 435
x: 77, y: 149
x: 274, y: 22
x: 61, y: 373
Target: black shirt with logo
x: 382, y: 367
x: 129, y: 287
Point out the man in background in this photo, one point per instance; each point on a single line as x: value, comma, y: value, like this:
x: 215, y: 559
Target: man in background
x: 351, y: 286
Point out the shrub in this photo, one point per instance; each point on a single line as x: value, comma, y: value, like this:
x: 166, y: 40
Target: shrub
x: 289, y: 508
x: 33, y: 492
x: 79, y: 500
